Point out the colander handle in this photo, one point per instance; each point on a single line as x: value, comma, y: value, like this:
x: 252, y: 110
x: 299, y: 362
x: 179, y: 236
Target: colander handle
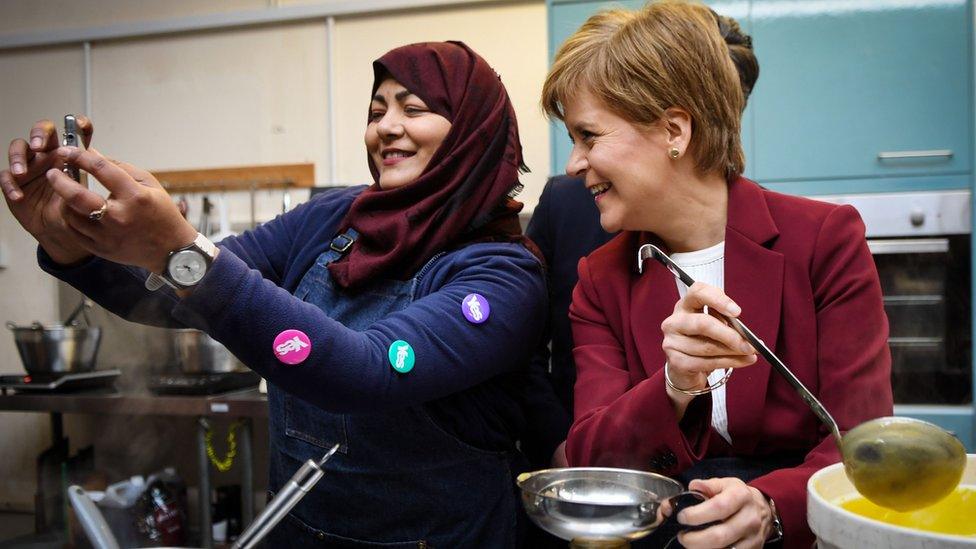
x: 668, y: 531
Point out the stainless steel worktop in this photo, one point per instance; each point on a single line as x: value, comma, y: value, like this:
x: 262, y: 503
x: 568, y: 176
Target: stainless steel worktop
x: 249, y: 403
x: 240, y: 404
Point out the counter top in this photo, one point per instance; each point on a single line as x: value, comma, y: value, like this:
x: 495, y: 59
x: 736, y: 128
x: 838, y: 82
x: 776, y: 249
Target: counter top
x: 246, y: 403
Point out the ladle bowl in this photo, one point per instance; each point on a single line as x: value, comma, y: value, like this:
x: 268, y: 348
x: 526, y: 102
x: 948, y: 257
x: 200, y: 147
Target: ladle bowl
x: 899, y: 463
x: 902, y: 463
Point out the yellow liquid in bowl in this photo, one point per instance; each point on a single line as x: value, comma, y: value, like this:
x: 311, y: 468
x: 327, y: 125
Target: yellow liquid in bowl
x: 955, y: 515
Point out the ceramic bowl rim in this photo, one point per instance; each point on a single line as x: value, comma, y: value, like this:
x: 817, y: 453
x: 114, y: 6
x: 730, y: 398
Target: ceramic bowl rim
x: 860, y: 520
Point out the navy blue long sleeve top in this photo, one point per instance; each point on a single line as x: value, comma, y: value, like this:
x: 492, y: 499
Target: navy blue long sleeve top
x: 466, y: 374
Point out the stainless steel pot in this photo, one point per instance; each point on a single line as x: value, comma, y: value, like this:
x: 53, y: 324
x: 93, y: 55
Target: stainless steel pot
x: 198, y: 353
x: 56, y: 347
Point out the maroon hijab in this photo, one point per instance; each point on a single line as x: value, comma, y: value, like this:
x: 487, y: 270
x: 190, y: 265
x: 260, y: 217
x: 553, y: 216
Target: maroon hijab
x: 462, y: 196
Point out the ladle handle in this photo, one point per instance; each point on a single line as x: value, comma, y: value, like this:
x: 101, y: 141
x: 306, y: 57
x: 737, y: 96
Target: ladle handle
x: 779, y: 366
x: 80, y: 309
x: 651, y: 251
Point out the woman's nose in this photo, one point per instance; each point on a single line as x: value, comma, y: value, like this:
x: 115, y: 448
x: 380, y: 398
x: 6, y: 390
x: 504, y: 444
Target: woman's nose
x: 577, y: 164
x: 390, y: 127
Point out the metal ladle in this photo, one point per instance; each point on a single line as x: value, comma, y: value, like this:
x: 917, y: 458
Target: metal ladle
x: 899, y: 463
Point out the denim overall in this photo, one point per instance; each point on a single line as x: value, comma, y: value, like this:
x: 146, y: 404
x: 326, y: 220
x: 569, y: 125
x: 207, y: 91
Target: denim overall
x: 398, y: 479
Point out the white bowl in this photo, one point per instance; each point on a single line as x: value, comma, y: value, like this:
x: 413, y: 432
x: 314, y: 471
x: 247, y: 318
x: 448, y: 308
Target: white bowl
x: 836, y: 527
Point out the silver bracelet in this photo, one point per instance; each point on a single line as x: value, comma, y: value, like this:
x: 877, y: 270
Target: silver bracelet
x: 696, y: 392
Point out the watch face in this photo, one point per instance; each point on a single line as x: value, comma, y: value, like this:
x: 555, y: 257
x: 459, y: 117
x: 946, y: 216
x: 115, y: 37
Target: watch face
x: 187, y: 267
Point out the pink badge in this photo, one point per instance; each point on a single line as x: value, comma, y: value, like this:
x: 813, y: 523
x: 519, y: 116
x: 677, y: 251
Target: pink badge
x: 292, y: 347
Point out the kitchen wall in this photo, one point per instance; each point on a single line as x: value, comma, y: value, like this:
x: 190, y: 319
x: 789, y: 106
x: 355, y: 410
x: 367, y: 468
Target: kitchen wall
x: 25, y: 292
x: 216, y: 98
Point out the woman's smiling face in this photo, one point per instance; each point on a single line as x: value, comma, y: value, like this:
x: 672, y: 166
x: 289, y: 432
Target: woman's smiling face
x: 624, y: 165
x: 402, y: 134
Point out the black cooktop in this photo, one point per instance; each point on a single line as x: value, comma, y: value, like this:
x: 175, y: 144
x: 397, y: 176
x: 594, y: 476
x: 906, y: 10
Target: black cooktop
x: 50, y: 382
x: 202, y: 384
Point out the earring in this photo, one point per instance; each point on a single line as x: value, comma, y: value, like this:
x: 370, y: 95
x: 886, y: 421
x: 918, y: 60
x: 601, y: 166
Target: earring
x: 674, y: 153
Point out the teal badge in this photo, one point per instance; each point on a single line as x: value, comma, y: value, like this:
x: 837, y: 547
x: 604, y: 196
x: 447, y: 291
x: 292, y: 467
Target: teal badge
x: 401, y: 356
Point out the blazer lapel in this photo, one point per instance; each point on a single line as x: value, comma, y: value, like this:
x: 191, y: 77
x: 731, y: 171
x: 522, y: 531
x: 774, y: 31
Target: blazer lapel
x: 754, y: 280
x: 654, y: 293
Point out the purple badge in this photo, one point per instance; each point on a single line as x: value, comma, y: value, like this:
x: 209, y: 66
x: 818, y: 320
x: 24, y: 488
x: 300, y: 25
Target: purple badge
x: 292, y: 347
x: 475, y: 308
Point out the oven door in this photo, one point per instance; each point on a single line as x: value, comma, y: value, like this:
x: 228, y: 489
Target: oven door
x: 925, y: 282
x: 923, y: 251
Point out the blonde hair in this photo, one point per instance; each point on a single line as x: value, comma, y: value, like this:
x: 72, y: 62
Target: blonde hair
x: 640, y: 63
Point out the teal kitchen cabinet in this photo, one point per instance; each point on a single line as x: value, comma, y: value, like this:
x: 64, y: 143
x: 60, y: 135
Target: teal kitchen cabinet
x: 566, y: 16
x: 862, y: 90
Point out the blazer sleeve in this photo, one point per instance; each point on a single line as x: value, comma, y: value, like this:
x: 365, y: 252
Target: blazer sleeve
x: 617, y: 423
x: 854, y: 363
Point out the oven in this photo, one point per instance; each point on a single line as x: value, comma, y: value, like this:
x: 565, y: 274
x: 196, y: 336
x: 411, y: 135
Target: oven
x: 921, y: 246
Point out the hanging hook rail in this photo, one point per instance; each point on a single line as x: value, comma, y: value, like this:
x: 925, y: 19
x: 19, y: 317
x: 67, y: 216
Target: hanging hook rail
x: 243, y: 178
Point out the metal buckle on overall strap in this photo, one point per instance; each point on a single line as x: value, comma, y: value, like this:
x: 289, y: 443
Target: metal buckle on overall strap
x: 342, y: 242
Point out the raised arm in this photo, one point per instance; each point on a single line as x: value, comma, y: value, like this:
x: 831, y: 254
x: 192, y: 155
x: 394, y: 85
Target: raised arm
x: 349, y: 370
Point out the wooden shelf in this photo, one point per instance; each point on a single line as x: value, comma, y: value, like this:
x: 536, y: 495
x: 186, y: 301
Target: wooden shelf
x: 242, y: 178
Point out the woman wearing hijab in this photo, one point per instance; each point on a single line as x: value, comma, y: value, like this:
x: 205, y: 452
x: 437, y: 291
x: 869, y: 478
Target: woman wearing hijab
x: 390, y: 320
x: 653, y: 104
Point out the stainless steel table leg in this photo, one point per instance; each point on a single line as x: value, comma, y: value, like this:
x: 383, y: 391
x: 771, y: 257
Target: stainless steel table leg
x: 247, y: 475
x: 203, y: 469
x: 57, y: 428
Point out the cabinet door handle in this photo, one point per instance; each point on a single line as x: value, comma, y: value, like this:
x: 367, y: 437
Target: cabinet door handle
x: 890, y: 246
x: 900, y: 155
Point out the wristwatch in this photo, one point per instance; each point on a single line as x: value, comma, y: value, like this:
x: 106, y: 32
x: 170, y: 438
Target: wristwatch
x: 186, y: 266
x: 776, y: 532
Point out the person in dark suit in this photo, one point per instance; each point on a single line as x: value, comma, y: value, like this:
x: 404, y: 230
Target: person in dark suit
x: 653, y: 106
x: 565, y: 225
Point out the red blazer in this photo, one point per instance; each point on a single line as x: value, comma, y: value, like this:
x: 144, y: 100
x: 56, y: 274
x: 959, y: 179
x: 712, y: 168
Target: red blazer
x: 802, y: 273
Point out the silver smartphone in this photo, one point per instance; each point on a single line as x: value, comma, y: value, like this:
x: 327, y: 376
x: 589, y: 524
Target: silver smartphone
x: 71, y: 138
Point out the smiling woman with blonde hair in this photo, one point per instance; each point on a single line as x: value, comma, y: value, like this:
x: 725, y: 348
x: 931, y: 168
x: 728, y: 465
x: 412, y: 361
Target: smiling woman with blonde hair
x: 652, y: 102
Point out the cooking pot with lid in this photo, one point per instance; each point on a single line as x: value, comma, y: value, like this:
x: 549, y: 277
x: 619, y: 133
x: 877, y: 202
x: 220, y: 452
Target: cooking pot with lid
x: 198, y: 353
x: 56, y: 348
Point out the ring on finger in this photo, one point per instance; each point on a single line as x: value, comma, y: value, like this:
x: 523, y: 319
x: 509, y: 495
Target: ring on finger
x: 97, y: 215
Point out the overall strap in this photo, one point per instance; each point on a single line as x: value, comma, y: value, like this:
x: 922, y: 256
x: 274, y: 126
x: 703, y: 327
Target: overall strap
x: 340, y: 246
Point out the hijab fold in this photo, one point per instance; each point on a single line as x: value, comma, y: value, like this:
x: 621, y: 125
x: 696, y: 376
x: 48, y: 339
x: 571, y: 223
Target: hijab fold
x: 463, y: 195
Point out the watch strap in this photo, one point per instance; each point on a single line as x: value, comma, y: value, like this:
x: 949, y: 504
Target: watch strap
x: 776, y: 532
x: 205, y: 245
x: 155, y: 282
